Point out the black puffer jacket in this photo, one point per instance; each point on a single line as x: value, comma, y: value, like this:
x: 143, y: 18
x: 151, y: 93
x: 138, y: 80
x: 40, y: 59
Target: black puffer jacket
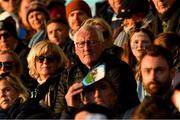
x: 31, y: 109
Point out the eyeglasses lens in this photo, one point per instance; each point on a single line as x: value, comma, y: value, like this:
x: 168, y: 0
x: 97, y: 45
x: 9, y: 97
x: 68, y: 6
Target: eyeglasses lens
x: 42, y: 58
x: 7, y: 65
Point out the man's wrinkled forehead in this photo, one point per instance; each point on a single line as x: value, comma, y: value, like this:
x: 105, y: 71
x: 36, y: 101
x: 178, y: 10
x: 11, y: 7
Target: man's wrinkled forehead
x: 86, y: 35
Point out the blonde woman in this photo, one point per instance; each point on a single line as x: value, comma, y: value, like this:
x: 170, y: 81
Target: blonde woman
x: 15, y: 102
x: 46, y: 61
x: 11, y: 89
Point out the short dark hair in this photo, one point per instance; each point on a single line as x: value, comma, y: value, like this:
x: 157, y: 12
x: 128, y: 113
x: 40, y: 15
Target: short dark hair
x: 156, y: 50
x: 158, y: 108
x: 57, y: 20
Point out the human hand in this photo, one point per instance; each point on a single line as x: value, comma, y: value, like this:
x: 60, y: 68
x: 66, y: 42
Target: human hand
x: 73, y: 95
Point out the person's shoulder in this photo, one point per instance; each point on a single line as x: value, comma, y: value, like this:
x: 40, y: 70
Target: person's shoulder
x: 3, y: 114
x: 113, y: 59
x: 32, y: 109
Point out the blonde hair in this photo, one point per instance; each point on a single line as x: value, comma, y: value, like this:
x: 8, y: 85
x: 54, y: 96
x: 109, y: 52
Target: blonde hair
x: 41, y: 48
x: 16, y: 60
x: 17, y: 84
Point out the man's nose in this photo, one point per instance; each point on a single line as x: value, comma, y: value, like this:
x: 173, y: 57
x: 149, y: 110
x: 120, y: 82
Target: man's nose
x: 86, y: 46
x: 2, y: 68
x: 153, y: 75
x: 2, y: 38
x: 76, y: 16
x: 2, y: 94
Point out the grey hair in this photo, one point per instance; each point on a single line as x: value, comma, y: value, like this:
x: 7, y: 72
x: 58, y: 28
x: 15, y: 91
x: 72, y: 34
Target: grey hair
x: 90, y: 28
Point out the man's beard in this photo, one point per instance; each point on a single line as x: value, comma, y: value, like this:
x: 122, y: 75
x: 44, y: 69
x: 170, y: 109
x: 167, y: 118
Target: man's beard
x: 157, y: 88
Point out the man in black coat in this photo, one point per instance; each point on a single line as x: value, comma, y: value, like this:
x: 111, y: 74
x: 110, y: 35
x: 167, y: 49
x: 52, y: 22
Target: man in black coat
x: 167, y: 16
x: 89, y: 48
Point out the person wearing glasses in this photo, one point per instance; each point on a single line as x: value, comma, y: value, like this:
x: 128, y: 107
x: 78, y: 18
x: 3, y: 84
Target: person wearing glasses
x: 9, y: 40
x: 46, y: 61
x: 10, y: 63
x: 101, y: 24
x: 90, y: 52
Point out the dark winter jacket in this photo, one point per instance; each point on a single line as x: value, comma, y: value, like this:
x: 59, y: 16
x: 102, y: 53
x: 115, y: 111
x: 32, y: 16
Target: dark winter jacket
x: 126, y: 84
x: 171, y: 18
x: 31, y: 109
x: 47, y: 92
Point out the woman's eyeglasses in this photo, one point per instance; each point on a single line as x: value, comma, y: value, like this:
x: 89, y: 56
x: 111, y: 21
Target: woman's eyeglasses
x: 7, y: 65
x: 41, y: 59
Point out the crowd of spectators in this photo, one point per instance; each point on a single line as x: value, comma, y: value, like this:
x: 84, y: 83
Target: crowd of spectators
x: 57, y: 61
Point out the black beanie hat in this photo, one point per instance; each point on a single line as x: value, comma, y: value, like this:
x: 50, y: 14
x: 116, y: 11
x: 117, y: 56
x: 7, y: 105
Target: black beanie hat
x: 9, y: 25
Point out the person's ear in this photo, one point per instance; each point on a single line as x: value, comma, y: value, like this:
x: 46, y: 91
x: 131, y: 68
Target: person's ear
x: 172, y: 72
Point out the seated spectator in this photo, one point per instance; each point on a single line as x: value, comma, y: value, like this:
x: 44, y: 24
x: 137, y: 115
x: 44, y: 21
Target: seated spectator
x: 9, y: 41
x: 46, y: 61
x: 57, y: 32
x: 11, y: 89
x: 140, y: 39
x: 37, y: 16
x: 134, y: 14
x: 10, y: 63
x: 102, y: 89
x: 156, y: 72
x: 154, y: 108
x: 77, y: 11
x: 106, y: 29
x: 167, y: 15
x: 108, y: 10
x: 15, y: 102
x: 90, y: 52
x: 10, y: 8
x: 171, y: 41
x: 25, y: 31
